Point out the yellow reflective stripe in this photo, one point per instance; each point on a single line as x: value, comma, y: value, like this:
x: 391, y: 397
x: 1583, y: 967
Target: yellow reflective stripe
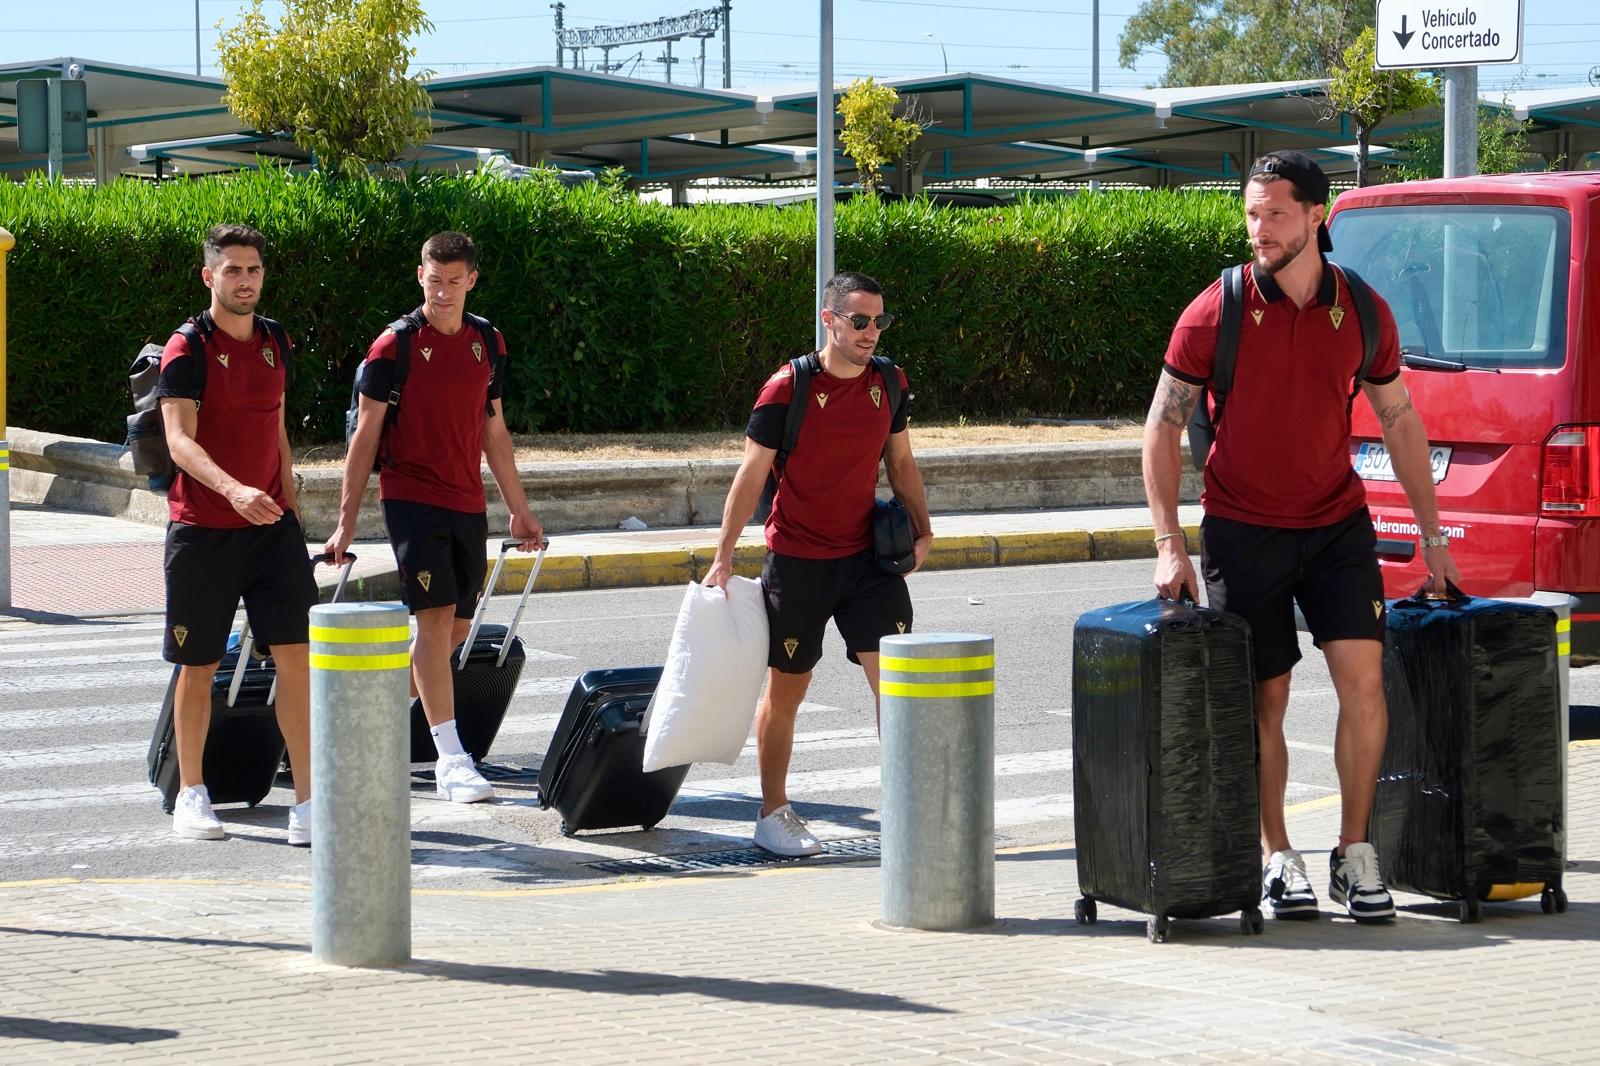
x: 1563, y: 625
x: 398, y: 661
x: 353, y: 635
x: 937, y: 666
x: 932, y: 690
x: 1564, y: 648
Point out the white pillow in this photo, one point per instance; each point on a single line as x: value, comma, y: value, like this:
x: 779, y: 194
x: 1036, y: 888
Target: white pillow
x: 711, y: 680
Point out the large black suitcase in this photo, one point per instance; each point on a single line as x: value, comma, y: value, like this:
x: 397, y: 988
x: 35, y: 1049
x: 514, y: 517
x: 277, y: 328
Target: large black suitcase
x: 1471, y: 801
x: 483, y: 679
x: 1165, y: 793
x: 593, y: 773
x: 244, y: 748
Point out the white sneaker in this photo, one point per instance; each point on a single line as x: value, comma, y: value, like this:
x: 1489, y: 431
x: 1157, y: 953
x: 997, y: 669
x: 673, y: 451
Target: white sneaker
x: 300, y: 825
x: 457, y: 780
x: 1286, y: 888
x: 784, y: 832
x: 1354, y: 880
x: 192, y: 817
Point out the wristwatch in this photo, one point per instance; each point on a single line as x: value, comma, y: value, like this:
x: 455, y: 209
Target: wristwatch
x: 1441, y: 541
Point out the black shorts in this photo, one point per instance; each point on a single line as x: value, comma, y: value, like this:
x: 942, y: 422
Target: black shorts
x: 441, y: 554
x: 208, y: 570
x: 1261, y: 572
x: 802, y: 594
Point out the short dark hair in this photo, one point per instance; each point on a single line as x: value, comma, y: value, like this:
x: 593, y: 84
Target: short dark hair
x: 231, y: 235
x: 451, y: 247
x: 843, y: 284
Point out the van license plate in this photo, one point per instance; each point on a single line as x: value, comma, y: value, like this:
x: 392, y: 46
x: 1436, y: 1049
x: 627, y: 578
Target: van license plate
x: 1371, y: 461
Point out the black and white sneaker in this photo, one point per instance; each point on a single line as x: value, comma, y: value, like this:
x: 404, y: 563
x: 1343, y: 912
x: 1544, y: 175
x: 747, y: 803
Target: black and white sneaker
x: 1286, y: 888
x: 1356, y: 883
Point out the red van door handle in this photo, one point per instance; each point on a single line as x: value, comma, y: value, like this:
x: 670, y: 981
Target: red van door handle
x: 1397, y: 549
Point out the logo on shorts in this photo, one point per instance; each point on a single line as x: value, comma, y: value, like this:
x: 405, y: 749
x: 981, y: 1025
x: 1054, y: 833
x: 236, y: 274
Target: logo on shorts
x: 222, y: 357
x: 1256, y: 313
x: 1337, y: 314
x: 876, y: 392
x: 427, y: 355
x: 791, y: 645
x: 822, y: 399
x: 266, y: 353
x: 1377, y: 608
x: 180, y: 634
x: 901, y: 626
x: 477, y: 351
x: 425, y: 578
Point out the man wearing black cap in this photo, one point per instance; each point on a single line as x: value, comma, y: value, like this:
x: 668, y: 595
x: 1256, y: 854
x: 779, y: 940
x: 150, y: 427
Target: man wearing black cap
x: 1286, y: 520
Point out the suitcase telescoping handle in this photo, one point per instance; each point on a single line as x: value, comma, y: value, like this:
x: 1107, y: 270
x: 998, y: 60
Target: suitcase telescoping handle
x: 247, y: 643
x: 488, y: 590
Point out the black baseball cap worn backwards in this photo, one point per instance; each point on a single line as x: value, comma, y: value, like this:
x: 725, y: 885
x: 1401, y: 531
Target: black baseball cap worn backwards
x: 1300, y: 170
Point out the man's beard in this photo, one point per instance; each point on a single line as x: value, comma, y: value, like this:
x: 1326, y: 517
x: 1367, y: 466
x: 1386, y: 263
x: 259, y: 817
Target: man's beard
x: 234, y: 307
x: 1289, y: 252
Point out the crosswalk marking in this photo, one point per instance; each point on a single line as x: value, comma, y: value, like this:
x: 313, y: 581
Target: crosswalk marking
x: 81, y: 755
x: 141, y: 677
x: 153, y: 643
x: 103, y: 714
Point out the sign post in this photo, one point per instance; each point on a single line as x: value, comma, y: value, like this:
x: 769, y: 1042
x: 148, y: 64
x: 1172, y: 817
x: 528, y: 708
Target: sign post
x: 1455, y: 37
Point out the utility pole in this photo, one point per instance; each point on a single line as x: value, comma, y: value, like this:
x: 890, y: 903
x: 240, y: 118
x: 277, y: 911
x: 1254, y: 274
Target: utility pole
x: 727, y: 47
x: 1094, y: 46
x: 197, y: 38
x: 560, y: 10
x: 824, y: 161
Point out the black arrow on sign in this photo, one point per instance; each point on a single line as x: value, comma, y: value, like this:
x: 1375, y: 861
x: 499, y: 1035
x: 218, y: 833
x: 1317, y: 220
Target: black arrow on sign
x: 1403, y: 37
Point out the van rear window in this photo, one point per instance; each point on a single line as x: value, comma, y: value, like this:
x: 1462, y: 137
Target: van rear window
x: 1482, y: 285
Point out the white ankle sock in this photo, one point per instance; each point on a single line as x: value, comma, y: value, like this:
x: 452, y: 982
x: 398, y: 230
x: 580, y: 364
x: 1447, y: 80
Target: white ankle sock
x: 446, y: 740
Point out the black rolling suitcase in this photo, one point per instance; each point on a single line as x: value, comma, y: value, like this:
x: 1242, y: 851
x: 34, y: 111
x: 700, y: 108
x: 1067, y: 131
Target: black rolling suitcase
x: 593, y: 773
x: 485, y: 678
x: 243, y: 746
x: 1164, y: 785
x: 1471, y: 798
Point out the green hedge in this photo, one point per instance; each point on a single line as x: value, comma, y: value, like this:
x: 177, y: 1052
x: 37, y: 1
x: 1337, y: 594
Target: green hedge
x: 619, y: 315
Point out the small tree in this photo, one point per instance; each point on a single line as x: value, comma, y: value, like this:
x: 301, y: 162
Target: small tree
x: 1502, y: 147
x: 332, y: 76
x: 872, y: 135
x: 1369, y: 95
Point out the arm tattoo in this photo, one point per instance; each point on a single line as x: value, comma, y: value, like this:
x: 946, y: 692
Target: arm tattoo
x: 1388, y: 416
x: 1174, y: 401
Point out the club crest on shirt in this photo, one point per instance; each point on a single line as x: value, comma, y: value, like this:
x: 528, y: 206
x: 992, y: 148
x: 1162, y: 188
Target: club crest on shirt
x: 427, y: 355
x: 791, y: 645
x: 822, y: 399
x: 222, y: 357
x: 1337, y: 314
x: 266, y: 353
x: 477, y: 351
x: 425, y: 579
x: 180, y: 634
x: 1256, y: 314
x: 876, y: 392
x: 901, y: 626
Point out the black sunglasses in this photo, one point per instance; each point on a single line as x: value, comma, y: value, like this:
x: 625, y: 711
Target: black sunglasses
x: 859, y: 321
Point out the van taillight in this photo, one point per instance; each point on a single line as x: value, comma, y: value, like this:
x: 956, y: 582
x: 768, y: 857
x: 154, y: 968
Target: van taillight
x: 1571, y: 485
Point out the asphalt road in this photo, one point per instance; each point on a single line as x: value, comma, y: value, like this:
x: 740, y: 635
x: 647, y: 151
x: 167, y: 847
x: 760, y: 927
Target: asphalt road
x: 77, y: 703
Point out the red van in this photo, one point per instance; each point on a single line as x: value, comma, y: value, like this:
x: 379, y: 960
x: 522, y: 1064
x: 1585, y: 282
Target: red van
x: 1495, y: 285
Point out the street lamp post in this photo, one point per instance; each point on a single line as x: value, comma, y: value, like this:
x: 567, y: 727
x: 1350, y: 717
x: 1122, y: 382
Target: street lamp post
x: 942, y: 55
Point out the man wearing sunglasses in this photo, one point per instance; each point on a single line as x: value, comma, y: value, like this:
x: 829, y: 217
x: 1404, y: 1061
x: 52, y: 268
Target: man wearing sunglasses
x: 820, y: 559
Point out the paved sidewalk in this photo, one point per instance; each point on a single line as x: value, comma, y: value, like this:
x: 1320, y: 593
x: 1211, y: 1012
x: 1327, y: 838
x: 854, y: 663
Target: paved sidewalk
x: 788, y: 965
x: 66, y: 564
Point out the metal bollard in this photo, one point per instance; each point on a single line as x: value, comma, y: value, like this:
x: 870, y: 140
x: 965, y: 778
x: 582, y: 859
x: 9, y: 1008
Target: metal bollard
x: 937, y: 700
x: 361, y: 817
x: 6, y: 244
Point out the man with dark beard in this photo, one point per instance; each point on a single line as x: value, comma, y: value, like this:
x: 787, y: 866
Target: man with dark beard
x: 1286, y: 520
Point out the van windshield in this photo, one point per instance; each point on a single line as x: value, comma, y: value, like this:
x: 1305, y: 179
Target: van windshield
x: 1482, y: 285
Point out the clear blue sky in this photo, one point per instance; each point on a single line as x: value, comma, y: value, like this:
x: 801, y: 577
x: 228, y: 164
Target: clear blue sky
x: 774, y: 41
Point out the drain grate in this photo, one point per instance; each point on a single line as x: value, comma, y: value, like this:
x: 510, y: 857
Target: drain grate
x: 737, y: 858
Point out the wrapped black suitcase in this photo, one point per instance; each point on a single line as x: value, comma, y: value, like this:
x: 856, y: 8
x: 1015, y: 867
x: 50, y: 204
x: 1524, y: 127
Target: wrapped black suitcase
x: 243, y: 746
x: 1164, y: 783
x: 1471, y: 798
x: 485, y: 678
x: 593, y: 773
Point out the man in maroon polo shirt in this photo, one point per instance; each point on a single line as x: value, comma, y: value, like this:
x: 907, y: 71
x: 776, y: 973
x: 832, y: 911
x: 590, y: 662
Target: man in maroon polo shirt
x: 431, y: 483
x: 820, y: 557
x: 1286, y: 519
x: 234, y: 527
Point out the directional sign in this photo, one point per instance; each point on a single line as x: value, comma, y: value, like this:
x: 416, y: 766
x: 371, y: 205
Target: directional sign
x: 1448, y: 33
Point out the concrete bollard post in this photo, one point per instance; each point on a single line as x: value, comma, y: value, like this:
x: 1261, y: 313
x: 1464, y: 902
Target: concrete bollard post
x: 937, y: 702
x: 361, y: 817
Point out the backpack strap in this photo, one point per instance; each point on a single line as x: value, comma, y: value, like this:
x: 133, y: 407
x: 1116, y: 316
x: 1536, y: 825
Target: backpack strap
x: 402, y: 328
x: 497, y: 358
x: 1367, y: 313
x: 1229, y: 323
x: 278, y: 336
x: 195, y: 332
x: 891, y: 382
x: 802, y: 367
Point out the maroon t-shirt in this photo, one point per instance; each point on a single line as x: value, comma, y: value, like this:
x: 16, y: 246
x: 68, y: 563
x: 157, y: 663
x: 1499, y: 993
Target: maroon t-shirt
x: 432, y: 454
x: 823, y: 508
x: 237, y: 425
x: 1282, y: 453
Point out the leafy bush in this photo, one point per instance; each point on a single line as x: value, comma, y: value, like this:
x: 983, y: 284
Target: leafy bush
x: 619, y: 315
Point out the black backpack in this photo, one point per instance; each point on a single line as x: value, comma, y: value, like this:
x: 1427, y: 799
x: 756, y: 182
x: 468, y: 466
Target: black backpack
x: 147, y: 436
x: 1206, y: 418
x: 404, y: 328
x: 802, y: 367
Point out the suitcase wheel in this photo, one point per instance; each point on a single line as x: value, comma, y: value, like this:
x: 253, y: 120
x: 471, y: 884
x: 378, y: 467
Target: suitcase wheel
x: 1470, y: 910
x: 566, y: 830
x: 1084, y: 910
x: 647, y: 828
x: 1157, y: 928
x: 1553, y: 901
x: 1250, y: 922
